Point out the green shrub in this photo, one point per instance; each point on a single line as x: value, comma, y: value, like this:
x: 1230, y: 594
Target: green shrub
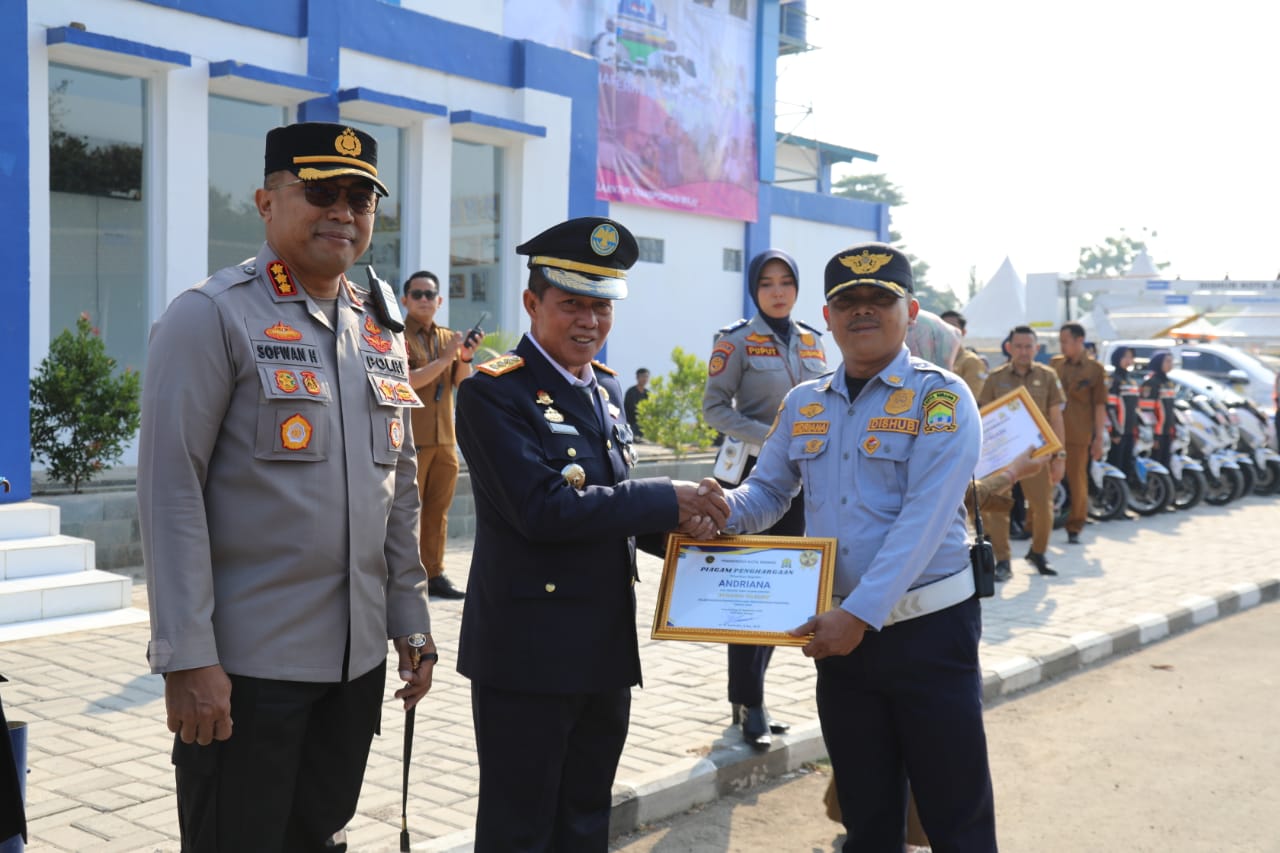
x: 672, y: 413
x: 81, y: 414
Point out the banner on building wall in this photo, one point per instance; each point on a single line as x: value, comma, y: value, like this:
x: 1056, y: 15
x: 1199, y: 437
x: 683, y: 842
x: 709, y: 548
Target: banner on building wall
x: 677, y: 96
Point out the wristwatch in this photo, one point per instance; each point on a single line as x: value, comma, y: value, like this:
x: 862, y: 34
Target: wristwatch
x: 417, y: 642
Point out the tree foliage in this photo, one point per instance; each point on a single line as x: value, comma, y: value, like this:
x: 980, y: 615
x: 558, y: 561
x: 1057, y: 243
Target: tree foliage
x: 672, y: 413
x: 82, y: 412
x: 1114, y: 256
x: 878, y: 189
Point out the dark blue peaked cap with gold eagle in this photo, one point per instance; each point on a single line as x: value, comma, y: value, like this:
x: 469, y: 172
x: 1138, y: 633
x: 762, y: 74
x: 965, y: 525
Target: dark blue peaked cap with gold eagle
x: 589, y: 256
x: 317, y: 150
x: 875, y: 264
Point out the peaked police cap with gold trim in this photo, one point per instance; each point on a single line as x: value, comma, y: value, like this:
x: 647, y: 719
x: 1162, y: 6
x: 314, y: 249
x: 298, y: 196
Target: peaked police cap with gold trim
x: 875, y: 264
x: 317, y: 150
x: 589, y: 255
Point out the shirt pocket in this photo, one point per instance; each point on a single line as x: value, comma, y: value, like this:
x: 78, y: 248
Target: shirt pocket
x: 882, y: 470
x: 809, y: 454
x: 290, y: 431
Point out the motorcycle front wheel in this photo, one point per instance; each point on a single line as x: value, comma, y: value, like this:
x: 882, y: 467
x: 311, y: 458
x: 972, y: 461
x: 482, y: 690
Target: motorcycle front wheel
x: 1248, y: 480
x: 1225, y: 488
x: 1189, y: 491
x: 1152, y: 497
x: 1268, y: 478
x: 1109, y: 501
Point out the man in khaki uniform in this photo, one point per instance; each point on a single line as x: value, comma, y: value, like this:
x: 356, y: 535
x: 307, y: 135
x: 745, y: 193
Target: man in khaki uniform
x: 439, y: 359
x: 1042, y: 383
x: 279, y: 513
x: 969, y: 366
x: 1084, y: 382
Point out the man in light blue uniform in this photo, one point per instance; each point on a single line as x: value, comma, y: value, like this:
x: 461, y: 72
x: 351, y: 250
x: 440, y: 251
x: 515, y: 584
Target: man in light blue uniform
x: 884, y: 447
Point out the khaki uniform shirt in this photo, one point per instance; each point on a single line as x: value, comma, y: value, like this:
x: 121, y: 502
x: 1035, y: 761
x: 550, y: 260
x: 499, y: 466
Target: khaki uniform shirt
x: 1084, y: 381
x: 433, y: 423
x: 276, y: 488
x: 972, y: 369
x: 1040, y: 381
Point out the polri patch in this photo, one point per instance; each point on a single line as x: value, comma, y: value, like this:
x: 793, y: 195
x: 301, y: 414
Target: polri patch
x: 717, y: 364
x: 907, y: 426
x: 940, y: 411
x: 295, y: 433
x: 395, y: 433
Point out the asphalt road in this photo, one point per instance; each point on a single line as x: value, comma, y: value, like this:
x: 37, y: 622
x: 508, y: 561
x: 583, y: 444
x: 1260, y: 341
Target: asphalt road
x: 1174, y: 748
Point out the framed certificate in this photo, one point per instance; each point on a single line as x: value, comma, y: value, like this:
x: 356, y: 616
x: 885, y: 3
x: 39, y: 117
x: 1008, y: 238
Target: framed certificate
x: 1011, y: 424
x: 743, y: 589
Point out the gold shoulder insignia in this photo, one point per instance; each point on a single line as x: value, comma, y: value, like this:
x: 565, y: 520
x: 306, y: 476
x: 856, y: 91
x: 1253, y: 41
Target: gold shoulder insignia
x: 866, y: 263
x: 502, y: 364
x: 604, y: 367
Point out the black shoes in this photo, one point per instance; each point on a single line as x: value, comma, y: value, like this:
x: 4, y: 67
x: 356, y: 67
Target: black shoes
x: 1073, y: 538
x: 1019, y: 533
x: 1037, y: 559
x: 442, y: 587
x: 1003, y: 572
x: 757, y: 725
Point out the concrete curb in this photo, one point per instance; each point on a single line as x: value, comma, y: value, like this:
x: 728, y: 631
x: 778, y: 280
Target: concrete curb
x: 687, y: 784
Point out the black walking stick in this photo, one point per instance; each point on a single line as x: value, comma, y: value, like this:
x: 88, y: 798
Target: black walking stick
x: 416, y: 644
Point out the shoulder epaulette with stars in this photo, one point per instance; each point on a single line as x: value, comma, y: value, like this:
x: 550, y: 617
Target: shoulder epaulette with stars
x: 502, y: 364
x: 604, y: 368
x: 733, y: 327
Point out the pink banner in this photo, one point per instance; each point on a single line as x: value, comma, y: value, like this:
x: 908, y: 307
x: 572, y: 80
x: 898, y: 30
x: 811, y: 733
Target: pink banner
x: 677, y: 96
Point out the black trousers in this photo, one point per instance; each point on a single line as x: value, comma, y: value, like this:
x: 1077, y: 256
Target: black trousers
x: 289, y: 776
x: 907, y: 703
x: 547, y: 762
x: 747, y: 664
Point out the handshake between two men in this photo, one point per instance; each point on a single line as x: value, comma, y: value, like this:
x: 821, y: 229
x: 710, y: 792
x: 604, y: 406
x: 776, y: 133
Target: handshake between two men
x: 703, y: 510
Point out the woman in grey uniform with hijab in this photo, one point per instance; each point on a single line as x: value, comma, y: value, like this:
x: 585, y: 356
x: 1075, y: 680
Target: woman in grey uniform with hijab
x: 753, y: 364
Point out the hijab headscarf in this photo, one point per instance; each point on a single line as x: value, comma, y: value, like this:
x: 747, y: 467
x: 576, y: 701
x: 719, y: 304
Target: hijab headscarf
x: 1156, y: 362
x: 1118, y: 356
x: 780, y: 326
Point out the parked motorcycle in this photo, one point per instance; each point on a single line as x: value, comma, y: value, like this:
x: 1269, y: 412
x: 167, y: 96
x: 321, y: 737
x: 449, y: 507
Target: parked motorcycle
x: 1189, y: 483
x: 1151, y: 485
x: 1108, y: 491
x: 1212, y: 445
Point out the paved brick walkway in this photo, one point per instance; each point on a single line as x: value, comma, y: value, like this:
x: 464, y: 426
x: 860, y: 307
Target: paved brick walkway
x: 101, y: 781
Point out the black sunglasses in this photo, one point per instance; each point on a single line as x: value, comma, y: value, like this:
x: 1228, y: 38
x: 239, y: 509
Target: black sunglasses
x: 325, y: 194
x: 423, y: 294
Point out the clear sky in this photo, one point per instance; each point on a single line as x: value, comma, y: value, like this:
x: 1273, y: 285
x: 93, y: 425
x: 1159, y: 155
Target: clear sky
x: 1030, y: 130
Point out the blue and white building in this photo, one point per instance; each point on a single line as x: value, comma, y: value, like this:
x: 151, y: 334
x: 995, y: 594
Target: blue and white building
x: 134, y: 133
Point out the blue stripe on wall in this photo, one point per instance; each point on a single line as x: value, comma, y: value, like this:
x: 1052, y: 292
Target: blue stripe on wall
x: 15, y: 288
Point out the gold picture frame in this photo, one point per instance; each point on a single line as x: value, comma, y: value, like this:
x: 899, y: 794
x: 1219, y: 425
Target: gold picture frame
x: 743, y: 589
x: 1010, y: 424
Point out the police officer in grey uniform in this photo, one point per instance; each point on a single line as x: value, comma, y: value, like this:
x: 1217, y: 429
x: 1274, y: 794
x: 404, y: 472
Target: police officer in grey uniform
x: 753, y: 364
x: 279, y: 512
x: 885, y: 446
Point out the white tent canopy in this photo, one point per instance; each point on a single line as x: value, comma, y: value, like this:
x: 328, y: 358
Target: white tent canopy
x: 997, y: 307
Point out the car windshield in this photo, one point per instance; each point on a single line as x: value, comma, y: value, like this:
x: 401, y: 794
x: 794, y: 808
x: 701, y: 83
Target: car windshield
x: 1205, y: 385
